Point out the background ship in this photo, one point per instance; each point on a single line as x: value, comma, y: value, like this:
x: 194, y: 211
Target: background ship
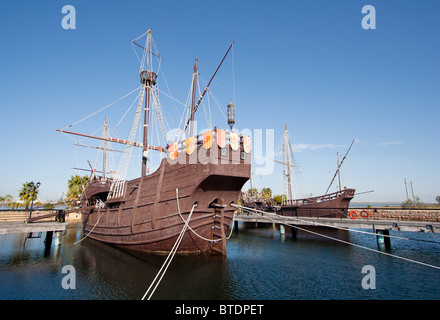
x: 328, y: 205
x: 198, y: 180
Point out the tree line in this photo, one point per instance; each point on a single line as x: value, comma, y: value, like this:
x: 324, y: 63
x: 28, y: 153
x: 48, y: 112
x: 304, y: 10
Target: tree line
x: 28, y: 194
x: 266, y: 193
x: 77, y: 184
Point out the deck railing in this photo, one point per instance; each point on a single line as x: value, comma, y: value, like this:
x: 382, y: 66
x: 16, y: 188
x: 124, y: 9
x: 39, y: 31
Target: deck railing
x: 349, y: 193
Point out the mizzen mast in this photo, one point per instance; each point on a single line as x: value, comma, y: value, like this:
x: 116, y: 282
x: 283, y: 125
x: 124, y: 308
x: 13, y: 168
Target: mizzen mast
x: 193, y: 101
x: 194, y: 108
x: 339, y: 167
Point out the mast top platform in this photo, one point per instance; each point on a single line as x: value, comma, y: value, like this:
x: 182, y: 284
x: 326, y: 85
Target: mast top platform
x: 148, y: 78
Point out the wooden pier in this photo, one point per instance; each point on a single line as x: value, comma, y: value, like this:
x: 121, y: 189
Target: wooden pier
x: 413, y: 226
x: 34, y: 227
x: 379, y: 220
x: 33, y: 222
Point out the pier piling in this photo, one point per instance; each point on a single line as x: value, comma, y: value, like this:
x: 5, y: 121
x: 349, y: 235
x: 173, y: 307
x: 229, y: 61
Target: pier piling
x: 383, y: 243
x: 48, y: 243
x: 282, y: 231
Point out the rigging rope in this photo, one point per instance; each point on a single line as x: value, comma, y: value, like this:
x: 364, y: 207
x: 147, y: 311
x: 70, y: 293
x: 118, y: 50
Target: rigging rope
x: 332, y: 238
x: 129, y: 108
x: 201, y: 237
x: 102, y: 108
x: 168, y: 259
x: 205, y: 111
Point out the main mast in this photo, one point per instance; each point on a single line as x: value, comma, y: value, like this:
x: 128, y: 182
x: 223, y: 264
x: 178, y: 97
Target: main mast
x: 148, y: 80
x: 288, y: 170
x: 104, y: 150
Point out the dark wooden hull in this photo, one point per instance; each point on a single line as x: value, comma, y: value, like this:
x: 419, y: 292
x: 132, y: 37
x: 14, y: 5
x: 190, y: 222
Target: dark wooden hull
x: 145, y: 216
x: 333, y: 205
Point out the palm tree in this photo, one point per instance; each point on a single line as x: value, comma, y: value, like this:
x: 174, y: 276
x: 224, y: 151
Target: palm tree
x: 6, y: 199
x: 76, y: 186
x: 266, y: 192
x: 28, y: 193
x: 13, y: 205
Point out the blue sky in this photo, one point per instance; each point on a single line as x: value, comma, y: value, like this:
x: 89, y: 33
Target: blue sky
x: 307, y: 64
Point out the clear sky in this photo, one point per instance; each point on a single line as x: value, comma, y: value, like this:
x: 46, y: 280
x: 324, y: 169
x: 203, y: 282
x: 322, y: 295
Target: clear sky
x: 307, y: 64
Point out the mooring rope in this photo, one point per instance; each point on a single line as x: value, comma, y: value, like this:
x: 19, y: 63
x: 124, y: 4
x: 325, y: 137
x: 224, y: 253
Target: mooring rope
x: 90, y: 230
x: 339, y: 240
x: 201, y: 237
x: 168, y: 260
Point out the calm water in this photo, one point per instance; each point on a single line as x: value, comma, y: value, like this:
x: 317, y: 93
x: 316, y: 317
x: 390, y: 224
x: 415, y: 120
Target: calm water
x: 260, y: 264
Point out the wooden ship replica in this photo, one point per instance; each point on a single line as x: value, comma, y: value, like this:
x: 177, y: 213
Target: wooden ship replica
x: 199, y: 177
x: 328, y: 205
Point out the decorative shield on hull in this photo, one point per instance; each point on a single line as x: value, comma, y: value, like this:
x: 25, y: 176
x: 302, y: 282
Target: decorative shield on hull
x: 190, y: 145
x: 207, y: 139
x: 247, y: 144
x: 221, y: 138
x: 233, y: 137
x: 173, y: 151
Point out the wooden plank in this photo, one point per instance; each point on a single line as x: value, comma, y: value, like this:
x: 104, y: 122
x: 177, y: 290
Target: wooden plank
x: 13, y: 227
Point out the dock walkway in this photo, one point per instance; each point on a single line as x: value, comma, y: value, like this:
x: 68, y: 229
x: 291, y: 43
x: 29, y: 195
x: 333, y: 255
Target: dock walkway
x: 20, y: 227
x: 389, y: 224
x: 381, y: 221
x: 32, y: 221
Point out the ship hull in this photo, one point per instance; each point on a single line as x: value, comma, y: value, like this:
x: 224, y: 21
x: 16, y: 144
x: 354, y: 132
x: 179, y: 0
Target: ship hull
x: 149, y: 213
x: 333, y: 205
